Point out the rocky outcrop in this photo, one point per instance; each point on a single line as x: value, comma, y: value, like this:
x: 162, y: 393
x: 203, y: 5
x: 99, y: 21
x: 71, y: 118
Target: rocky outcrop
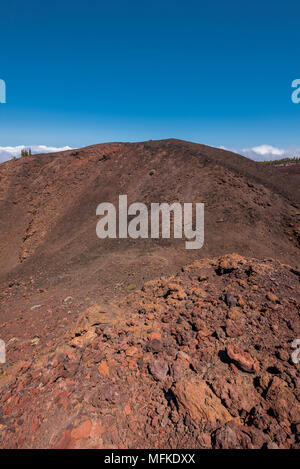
x: 199, y: 360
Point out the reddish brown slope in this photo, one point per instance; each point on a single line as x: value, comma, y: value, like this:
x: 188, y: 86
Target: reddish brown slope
x: 48, y: 205
x: 49, y: 248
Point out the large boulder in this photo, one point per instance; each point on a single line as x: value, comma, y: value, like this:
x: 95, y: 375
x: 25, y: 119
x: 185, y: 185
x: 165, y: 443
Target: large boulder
x: 197, y: 399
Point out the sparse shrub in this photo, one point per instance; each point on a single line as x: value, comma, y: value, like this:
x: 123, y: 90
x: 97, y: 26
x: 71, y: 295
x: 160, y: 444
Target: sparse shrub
x: 26, y: 152
x: 151, y: 172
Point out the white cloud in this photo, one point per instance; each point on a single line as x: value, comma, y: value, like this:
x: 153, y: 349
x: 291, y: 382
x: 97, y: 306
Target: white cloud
x: 268, y: 150
x: 6, y: 153
x: 268, y: 153
x: 265, y: 152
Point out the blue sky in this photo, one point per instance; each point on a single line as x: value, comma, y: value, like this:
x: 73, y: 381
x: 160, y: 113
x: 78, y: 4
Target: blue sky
x: 79, y: 73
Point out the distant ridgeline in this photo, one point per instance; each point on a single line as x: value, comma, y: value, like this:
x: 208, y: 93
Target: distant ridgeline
x: 293, y: 160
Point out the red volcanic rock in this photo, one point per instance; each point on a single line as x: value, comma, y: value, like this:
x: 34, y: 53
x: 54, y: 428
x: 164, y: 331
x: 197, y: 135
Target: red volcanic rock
x: 242, y: 359
x: 159, y: 369
x: 103, y: 368
x: 235, y: 436
x: 134, y: 382
x: 271, y: 297
x: 233, y: 329
x: 228, y: 263
x: 65, y: 442
x: 283, y: 401
x: 83, y: 431
x: 236, y: 393
x: 131, y: 351
x: 196, y: 398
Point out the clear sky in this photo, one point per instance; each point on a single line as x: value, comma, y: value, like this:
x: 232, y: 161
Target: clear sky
x: 85, y: 72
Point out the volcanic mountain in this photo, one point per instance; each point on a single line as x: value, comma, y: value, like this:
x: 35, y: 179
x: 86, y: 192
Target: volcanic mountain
x: 71, y: 304
x: 48, y: 210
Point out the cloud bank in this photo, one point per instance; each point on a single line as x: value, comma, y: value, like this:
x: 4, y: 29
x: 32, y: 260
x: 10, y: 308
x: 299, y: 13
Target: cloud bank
x: 265, y: 152
x: 7, y: 153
